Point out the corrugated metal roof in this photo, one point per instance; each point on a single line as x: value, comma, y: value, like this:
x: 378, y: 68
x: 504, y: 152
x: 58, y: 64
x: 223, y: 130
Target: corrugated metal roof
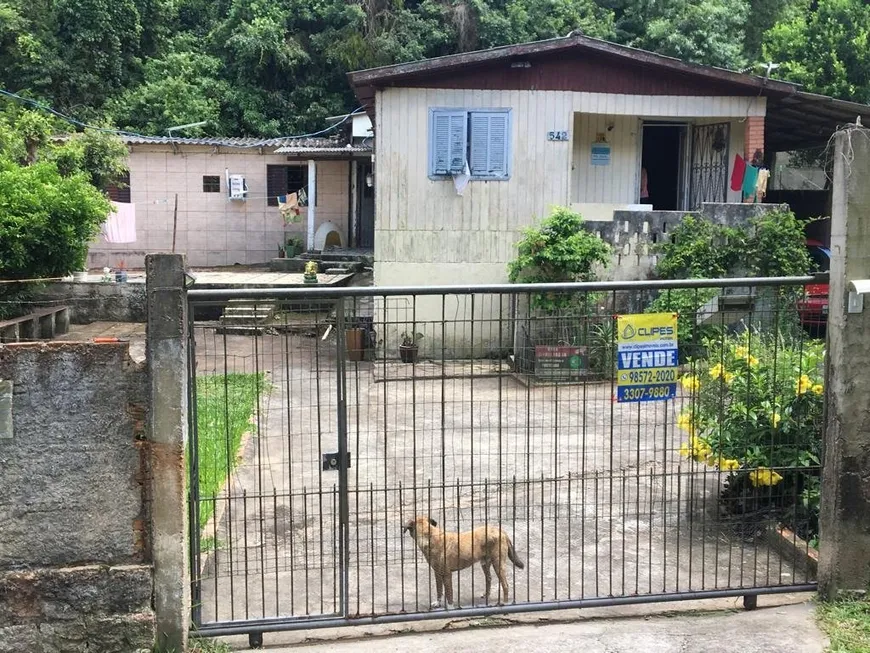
x: 348, y: 149
x: 296, y: 144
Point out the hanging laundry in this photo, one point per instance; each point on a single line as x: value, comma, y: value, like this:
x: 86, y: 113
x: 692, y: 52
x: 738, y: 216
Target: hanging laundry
x: 461, y: 180
x: 739, y: 172
x: 750, y: 178
x: 761, y: 184
x: 288, y: 206
x: 120, y: 227
x: 302, y: 194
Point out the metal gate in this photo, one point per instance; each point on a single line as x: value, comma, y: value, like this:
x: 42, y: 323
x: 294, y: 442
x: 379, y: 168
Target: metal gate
x: 324, y: 420
x: 709, y: 171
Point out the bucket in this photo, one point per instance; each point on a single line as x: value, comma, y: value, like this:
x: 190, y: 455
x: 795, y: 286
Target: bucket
x: 355, y: 344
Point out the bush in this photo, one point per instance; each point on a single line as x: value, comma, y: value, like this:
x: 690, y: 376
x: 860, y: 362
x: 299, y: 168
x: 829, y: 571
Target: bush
x: 560, y: 250
x: 756, y: 414
x: 47, y: 221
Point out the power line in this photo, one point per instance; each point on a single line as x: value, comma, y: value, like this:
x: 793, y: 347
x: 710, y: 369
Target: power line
x: 106, y: 130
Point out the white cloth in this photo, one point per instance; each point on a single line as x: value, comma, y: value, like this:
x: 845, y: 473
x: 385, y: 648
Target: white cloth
x: 461, y: 181
x: 120, y: 227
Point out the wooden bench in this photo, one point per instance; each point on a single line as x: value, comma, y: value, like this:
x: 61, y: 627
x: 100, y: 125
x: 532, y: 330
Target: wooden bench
x: 41, y: 324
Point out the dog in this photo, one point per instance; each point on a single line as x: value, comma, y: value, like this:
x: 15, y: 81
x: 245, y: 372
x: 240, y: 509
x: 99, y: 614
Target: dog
x: 449, y: 552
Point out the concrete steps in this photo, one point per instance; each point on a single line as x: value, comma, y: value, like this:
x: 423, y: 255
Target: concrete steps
x: 337, y: 261
x: 244, y: 317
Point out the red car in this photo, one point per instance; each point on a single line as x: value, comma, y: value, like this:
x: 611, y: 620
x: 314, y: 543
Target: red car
x: 813, y: 307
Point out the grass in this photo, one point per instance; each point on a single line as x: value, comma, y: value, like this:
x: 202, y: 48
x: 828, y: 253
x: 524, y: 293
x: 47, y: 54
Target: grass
x: 224, y: 405
x: 847, y: 624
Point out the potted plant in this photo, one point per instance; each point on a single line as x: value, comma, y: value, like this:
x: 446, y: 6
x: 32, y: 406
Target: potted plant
x: 293, y: 247
x: 409, y: 349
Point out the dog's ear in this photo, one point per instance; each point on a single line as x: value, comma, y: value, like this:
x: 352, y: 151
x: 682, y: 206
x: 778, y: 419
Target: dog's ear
x: 432, y: 522
x: 408, y: 527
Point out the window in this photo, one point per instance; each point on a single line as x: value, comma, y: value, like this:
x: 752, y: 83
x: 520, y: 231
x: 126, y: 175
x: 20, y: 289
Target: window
x: 120, y: 192
x: 211, y: 184
x: 283, y: 180
x: 479, y: 138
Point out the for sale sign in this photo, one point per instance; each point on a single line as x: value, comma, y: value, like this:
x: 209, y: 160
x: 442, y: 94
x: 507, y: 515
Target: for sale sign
x: 646, y: 356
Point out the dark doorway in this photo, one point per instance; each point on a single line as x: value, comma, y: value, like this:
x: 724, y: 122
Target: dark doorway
x: 661, y: 157
x: 365, y: 236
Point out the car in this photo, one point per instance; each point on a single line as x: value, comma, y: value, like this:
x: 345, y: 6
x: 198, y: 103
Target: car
x: 813, y: 306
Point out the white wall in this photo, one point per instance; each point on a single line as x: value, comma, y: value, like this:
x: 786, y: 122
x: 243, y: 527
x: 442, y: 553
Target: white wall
x: 213, y: 230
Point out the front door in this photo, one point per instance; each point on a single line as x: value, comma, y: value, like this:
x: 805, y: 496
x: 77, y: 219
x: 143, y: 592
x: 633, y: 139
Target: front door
x: 365, y: 236
x: 709, y: 171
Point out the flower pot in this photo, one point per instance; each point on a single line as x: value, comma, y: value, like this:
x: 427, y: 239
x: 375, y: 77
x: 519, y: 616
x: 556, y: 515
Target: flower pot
x: 355, y: 344
x: 408, y: 353
x: 121, y: 276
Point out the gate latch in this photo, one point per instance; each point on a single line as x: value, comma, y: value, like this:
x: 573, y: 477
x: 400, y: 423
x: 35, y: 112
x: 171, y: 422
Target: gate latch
x: 331, y: 462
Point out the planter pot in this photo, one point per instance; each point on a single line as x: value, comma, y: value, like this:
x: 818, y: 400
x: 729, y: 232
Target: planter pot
x: 121, y: 276
x: 408, y: 353
x: 355, y: 344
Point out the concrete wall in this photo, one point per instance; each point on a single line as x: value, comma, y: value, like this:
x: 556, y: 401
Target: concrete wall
x: 75, y: 569
x: 97, y: 302
x: 213, y: 230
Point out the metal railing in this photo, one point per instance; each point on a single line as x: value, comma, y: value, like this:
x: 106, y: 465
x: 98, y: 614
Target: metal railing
x: 316, y: 438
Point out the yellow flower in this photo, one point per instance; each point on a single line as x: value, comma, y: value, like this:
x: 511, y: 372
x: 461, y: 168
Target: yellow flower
x: 775, y: 419
x: 728, y: 376
x: 817, y: 389
x: 728, y: 464
x: 716, y: 371
x: 741, y: 352
x: 803, y: 384
x: 764, y: 476
x: 684, y: 450
x: 684, y: 421
x: 752, y: 360
x: 691, y: 383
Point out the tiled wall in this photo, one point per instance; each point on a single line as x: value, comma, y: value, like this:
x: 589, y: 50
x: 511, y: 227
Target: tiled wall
x: 213, y: 230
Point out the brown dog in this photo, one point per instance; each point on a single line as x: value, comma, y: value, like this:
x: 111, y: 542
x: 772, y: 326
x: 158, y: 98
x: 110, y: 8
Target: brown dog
x: 449, y: 552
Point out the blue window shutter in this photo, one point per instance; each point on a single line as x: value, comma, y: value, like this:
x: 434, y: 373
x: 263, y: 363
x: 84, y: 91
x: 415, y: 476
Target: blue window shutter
x: 490, y: 144
x: 447, y: 142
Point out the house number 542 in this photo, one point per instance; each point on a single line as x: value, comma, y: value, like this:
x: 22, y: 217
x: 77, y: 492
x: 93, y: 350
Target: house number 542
x: 557, y: 136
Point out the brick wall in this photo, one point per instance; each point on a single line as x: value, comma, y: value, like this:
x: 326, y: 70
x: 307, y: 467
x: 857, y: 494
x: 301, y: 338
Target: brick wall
x: 75, y: 569
x: 753, y: 136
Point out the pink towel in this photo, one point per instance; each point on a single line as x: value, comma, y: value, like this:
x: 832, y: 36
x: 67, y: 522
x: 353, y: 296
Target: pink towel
x: 120, y: 227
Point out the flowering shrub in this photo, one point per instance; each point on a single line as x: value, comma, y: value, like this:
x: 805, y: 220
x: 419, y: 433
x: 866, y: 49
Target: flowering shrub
x: 755, y: 412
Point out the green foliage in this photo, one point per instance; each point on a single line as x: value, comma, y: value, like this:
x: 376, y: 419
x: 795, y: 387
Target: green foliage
x: 258, y: 68
x: 773, y: 244
x: 755, y: 412
x: 51, y: 206
x: 825, y: 49
x: 697, y: 249
x: 847, y: 624
x: 560, y: 250
x: 224, y: 405
x: 46, y: 220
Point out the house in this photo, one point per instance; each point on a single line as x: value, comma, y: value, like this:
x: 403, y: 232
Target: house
x: 570, y: 121
x: 217, y: 199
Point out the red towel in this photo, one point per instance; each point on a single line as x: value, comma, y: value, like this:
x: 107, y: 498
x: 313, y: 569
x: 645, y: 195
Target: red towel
x: 739, y: 171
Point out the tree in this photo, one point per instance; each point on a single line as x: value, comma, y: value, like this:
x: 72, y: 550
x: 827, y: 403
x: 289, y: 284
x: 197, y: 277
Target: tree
x: 826, y: 50
x: 51, y: 204
x: 702, y: 31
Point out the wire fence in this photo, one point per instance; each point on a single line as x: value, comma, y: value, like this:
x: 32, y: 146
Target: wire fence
x: 326, y: 422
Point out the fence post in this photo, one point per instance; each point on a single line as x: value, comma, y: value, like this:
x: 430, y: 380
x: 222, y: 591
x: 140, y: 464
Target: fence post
x: 844, y: 555
x: 167, y: 360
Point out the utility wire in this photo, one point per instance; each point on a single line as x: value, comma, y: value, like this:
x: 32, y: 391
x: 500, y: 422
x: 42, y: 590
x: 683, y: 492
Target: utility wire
x: 263, y: 142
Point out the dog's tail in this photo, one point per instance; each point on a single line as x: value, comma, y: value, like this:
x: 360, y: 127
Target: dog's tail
x: 514, y: 558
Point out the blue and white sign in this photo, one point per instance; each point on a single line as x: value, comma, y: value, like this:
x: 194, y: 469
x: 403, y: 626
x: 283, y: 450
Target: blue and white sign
x: 647, y: 359
x: 600, y: 154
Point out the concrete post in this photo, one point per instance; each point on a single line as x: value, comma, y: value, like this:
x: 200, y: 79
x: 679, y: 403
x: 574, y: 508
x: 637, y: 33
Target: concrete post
x: 312, y: 208
x: 167, y: 360
x: 844, y: 555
